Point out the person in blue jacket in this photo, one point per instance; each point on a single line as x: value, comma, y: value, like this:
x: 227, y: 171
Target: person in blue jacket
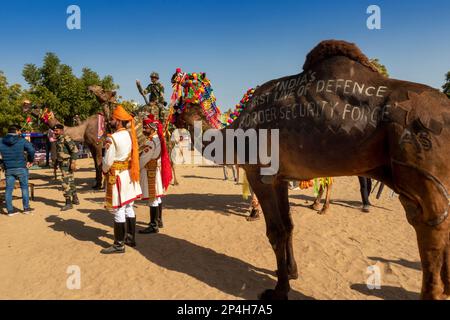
x: 13, y: 148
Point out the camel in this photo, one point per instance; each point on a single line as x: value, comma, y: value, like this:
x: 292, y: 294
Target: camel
x: 108, y: 102
x: 87, y: 131
x: 341, y: 117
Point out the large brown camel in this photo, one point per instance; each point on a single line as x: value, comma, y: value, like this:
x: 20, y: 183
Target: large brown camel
x: 87, y: 131
x: 340, y: 117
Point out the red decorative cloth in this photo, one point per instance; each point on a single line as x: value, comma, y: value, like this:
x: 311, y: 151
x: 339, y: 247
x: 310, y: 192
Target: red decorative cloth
x: 166, y: 168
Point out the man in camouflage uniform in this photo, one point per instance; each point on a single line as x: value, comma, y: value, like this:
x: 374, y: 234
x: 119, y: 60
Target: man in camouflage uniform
x: 66, y: 156
x: 156, y: 97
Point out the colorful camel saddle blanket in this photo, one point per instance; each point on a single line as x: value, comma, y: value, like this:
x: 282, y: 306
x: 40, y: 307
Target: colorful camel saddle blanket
x: 101, y: 126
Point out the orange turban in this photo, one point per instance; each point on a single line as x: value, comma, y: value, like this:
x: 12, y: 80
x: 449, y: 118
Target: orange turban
x: 119, y: 113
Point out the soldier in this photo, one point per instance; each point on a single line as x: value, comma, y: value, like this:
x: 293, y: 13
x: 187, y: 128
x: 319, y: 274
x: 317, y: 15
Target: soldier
x: 66, y: 156
x: 156, y: 172
x: 156, y: 96
x: 121, y: 165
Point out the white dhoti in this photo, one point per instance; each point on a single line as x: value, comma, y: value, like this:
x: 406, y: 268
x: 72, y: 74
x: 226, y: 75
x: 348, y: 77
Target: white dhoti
x: 124, y: 212
x: 150, y: 164
x: 120, y: 190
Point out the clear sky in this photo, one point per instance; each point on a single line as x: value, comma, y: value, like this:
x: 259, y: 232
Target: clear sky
x: 238, y: 43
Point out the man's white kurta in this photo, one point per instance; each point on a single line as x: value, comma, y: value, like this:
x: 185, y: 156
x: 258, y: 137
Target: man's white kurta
x: 152, y: 150
x: 124, y: 191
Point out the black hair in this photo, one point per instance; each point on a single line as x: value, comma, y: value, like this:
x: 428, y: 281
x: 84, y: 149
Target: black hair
x: 13, y: 129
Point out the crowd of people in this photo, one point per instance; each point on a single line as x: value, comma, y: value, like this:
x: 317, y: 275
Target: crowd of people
x: 131, y: 173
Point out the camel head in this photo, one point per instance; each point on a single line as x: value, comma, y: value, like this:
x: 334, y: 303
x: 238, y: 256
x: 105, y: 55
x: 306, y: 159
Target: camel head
x: 107, y: 99
x: 186, y: 118
x: 102, y: 95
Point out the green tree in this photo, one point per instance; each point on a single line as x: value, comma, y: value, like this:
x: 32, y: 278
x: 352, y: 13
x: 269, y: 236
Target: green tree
x: 10, y: 104
x: 55, y: 86
x: 381, y: 67
x: 446, y: 86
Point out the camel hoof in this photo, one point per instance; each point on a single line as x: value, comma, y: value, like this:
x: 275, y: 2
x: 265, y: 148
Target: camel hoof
x: 271, y: 294
x: 323, y: 212
x: 255, y: 218
x: 315, y: 206
x: 293, y: 275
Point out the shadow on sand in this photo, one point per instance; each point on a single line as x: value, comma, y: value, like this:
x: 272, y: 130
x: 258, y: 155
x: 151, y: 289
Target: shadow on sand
x: 402, y: 262
x: 227, y: 274
x: 386, y: 292
x: 79, y: 230
x: 338, y: 202
x: 221, y: 203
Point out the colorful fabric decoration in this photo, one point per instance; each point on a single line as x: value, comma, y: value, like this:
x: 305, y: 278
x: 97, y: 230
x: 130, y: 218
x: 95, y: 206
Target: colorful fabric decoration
x: 194, y: 89
x: 229, y: 117
x: 321, y: 183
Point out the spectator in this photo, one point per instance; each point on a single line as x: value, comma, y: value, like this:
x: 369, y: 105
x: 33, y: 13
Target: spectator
x: 12, y: 148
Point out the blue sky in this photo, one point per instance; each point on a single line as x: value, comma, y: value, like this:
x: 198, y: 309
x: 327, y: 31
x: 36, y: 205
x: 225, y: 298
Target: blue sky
x: 239, y: 44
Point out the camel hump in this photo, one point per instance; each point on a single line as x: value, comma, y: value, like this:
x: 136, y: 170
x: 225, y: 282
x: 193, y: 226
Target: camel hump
x: 331, y: 48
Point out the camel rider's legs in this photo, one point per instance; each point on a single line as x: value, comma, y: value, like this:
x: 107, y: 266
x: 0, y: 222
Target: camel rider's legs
x: 154, y: 217
x: 123, y: 234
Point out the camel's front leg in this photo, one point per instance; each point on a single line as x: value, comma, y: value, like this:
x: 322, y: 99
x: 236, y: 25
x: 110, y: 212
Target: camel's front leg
x: 283, y: 201
x: 175, y: 181
x: 276, y: 232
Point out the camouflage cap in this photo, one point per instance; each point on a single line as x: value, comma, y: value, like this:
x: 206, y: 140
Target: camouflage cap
x: 154, y: 75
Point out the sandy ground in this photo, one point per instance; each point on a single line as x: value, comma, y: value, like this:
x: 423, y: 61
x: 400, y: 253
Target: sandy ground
x: 207, y: 249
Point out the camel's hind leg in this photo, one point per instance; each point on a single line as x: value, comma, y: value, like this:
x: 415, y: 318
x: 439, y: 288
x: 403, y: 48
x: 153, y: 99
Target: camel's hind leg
x: 316, y: 204
x: 274, y: 203
x: 433, y: 243
x: 326, y: 205
x: 445, y: 274
x: 96, y: 151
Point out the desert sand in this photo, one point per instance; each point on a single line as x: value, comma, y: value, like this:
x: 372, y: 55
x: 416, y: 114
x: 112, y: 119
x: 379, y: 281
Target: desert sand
x: 207, y: 250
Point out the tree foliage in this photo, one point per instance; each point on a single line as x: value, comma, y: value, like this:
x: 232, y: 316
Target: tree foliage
x: 446, y: 86
x: 381, y: 67
x: 55, y: 86
x: 10, y: 104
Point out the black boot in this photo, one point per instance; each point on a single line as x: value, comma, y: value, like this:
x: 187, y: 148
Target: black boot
x: 75, y: 199
x: 130, y: 239
x: 68, y: 205
x: 160, y: 222
x: 119, y: 240
x: 153, y: 227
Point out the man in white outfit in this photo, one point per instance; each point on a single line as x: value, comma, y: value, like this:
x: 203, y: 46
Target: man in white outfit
x: 121, y: 165
x: 156, y: 172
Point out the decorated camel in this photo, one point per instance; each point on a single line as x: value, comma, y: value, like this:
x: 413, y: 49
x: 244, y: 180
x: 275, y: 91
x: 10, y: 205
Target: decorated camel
x: 87, y: 132
x: 193, y: 92
x: 341, y: 117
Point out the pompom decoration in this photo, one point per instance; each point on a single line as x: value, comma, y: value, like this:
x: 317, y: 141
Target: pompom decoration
x: 229, y: 117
